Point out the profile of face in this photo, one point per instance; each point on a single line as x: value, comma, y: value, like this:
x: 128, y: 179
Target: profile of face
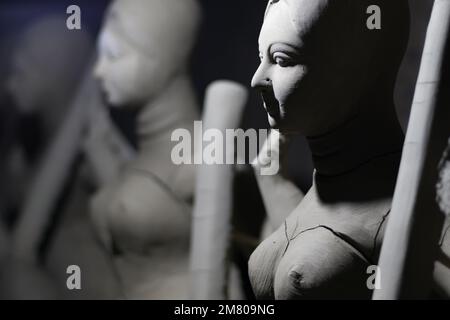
x: 316, y: 63
x: 143, y: 44
x: 127, y: 76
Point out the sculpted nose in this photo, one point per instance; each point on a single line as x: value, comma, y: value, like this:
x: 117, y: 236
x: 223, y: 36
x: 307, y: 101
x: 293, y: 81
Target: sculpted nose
x: 261, y: 79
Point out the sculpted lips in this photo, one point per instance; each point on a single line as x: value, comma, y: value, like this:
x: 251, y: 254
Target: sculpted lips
x: 271, y: 104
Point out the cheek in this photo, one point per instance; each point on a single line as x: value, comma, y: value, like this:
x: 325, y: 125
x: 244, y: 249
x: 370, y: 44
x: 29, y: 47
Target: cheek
x: 156, y: 72
x: 145, y: 77
x: 125, y: 74
x: 154, y: 75
x: 289, y: 85
x: 120, y: 80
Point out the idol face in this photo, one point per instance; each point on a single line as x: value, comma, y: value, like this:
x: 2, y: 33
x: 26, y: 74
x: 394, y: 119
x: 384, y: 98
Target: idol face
x: 143, y: 46
x: 308, y: 76
x: 128, y: 75
x: 117, y: 69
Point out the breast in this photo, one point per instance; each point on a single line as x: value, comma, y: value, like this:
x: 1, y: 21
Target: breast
x: 264, y: 262
x: 138, y: 213
x: 320, y: 265
x: 320, y: 252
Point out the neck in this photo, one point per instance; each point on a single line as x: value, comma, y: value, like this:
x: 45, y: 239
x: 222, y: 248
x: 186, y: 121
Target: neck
x: 372, y: 134
x: 174, y: 108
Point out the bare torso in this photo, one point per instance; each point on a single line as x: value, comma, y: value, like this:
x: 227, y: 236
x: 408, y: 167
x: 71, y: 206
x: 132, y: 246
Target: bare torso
x: 325, y: 246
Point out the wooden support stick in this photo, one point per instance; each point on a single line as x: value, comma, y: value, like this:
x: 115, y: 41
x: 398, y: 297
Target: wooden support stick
x: 50, y: 178
x: 414, y: 227
x: 224, y: 104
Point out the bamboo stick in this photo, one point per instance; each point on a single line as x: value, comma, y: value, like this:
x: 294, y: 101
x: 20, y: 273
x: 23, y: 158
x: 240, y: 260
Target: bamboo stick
x: 413, y: 230
x: 50, y: 178
x: 224, y: 104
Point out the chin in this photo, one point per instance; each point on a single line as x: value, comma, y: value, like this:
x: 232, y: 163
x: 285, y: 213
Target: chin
x: 115, y: 104
x: 279, y: 125
x: 284, y: 127
x: 114, y: 101
x: 272, y: 122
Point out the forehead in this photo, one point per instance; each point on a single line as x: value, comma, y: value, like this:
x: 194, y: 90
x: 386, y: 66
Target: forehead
x: 112, y: 37
x: 107, y: 38
x: 290, y: 21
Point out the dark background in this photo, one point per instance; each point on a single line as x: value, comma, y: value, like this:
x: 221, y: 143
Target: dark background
x: 227, y: 49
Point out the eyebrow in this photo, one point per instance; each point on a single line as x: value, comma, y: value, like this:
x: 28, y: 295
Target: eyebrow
x: 283, y: 46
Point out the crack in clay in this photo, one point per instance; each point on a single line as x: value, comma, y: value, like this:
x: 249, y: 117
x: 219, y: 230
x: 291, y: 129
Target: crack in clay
x: 441, y: 243
x: 348, y: 240
x: 378, y: 233
x: 342, y: 236
x: 289, y: 239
